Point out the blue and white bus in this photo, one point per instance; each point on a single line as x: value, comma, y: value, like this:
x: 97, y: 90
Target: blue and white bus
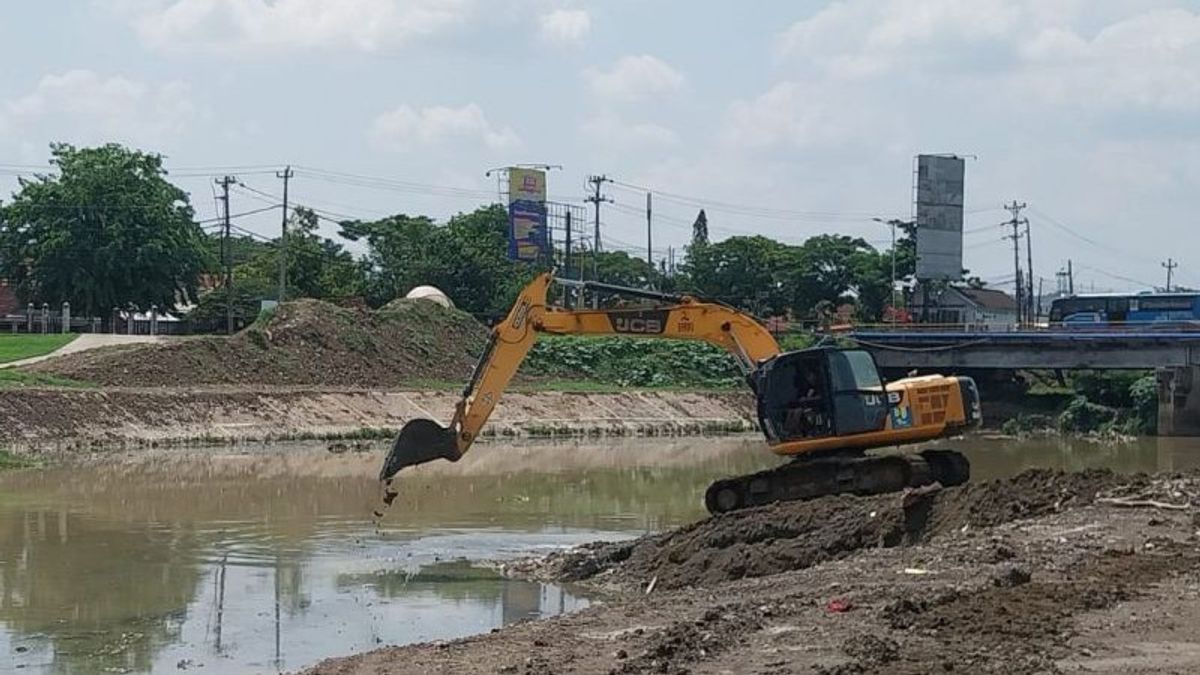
x: 1111, y: 309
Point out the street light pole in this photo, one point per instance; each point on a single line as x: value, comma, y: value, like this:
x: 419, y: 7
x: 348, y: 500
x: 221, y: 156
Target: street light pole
x: 892, y: 223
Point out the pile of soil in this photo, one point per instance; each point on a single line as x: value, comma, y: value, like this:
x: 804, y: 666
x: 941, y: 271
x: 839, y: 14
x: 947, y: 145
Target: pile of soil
x: 1042, y: 573
x: 307, y: 342
x: 796, y: 535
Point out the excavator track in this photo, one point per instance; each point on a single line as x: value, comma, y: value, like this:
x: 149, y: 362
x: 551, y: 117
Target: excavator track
x: 858, y: 474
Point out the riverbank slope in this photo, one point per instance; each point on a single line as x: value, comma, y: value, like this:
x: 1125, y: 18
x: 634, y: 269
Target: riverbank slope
x: 34, y: 419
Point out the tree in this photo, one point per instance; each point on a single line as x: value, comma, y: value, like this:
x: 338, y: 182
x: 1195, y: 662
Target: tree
x: 467, y: 258
x: 622, y: 269
x: 108, y: 231
x: 833, y: 269
x: 700, y: 230
x: 317, y: 267
x: 747, y: 272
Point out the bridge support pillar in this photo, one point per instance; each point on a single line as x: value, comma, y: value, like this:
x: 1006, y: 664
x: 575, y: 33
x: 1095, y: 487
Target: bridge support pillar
x: 1179, y: 401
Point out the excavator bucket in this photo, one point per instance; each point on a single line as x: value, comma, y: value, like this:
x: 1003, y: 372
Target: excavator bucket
x: 420, y: 441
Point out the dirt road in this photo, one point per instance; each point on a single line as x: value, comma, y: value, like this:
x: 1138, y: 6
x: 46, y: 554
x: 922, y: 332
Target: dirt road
x: 1042, y: 573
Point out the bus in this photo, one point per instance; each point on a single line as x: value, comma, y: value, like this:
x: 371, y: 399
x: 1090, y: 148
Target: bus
x: 1176, y: 310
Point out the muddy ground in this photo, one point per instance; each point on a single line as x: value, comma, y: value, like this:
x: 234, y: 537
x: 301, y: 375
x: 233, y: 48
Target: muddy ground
x: 1042, y: 573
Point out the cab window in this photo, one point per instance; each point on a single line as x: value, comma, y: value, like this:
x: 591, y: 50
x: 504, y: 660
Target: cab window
x: 853, y: 370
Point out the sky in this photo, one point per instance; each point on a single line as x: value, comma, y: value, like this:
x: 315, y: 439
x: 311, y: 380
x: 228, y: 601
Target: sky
x: 785, y: 118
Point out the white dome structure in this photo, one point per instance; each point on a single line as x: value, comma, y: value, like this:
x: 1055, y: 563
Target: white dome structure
x: 431, y: 294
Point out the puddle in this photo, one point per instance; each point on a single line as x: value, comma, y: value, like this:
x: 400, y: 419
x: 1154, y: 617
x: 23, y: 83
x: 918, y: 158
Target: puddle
x: 267, y: 560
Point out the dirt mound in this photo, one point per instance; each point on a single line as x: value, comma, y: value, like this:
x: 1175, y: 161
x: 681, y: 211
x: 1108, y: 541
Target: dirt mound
x: 783, y: 537
x: 307, y: 342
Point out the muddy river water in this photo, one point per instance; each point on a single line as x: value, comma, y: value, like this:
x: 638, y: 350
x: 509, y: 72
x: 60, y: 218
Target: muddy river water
x: 265, y: 559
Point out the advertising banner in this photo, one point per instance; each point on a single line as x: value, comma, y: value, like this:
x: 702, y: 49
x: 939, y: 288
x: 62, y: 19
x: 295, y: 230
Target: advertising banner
x: 527, y: 236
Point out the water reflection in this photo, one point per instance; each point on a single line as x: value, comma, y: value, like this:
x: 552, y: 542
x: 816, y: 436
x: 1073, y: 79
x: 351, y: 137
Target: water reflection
x: 267, y: 560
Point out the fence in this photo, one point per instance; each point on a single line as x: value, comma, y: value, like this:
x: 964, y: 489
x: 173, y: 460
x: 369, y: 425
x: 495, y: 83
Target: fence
x: 43, y: 320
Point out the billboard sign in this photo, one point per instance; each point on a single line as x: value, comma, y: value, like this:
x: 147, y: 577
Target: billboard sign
x: 940, y: 217
x: 527, y: 236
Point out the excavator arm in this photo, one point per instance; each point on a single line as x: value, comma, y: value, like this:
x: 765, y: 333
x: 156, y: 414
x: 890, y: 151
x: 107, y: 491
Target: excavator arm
x: 686, y: 318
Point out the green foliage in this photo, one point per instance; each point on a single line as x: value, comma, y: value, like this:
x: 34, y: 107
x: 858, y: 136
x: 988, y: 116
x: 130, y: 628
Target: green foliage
x: 10, y: 461
x: 767, y: 277
x: 747, y: 272
x: 317, y: 267
x: 796, y: 341
x: 1144, y: 395
x: 1110, y: 388
x: 638, y: 363
x: 1030, y: 423
x: 1083, y: 416
x: 18, y: 347
x: 209, y: 312
x: 11, y: 378
x: 108, y: 231
x: 466, y: 258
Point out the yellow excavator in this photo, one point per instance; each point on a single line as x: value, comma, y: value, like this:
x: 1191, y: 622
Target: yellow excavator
x: 824, y: 407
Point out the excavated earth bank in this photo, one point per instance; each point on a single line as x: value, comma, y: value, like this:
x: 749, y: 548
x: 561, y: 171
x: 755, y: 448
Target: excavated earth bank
x: 1043, y: 573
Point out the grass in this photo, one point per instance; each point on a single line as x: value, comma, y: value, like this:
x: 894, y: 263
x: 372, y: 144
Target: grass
x: 566, y: 386
x: 17, y: 347
x: 10, y: 378
x: 10, y: 461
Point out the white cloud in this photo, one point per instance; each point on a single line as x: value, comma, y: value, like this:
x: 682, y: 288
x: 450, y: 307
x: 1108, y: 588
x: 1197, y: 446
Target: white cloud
x: 1149, y: 61
x: 862, y: 38
x: 634, y: 78
x: 809, y: 115
x: 565, y: 27
x: 1133, y: 57
x: 407, y: 128
x: 366, y: 25
x: 82, y: 106
x: 611, y: 131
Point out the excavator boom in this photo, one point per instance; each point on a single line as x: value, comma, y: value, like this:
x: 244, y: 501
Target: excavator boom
x: 853, y: 411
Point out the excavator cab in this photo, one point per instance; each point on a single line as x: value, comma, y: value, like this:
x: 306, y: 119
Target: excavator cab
x: 820, y: 392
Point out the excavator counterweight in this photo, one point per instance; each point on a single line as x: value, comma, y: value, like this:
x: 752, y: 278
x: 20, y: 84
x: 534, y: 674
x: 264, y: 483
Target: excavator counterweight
x: 823, y: 407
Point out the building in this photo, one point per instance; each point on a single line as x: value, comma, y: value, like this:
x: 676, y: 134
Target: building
x: 974, y: 308
x: 8, y: 299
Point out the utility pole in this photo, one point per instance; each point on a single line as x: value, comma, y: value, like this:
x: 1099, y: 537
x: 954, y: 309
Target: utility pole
x: 649, y: 236
x: 1030, y: 315
x: 596, y: 198
x: 567, y: 260
x: 1070, y: 278
x: 286, y: 175
x: 227, y: 253
x: 1170, y: 266
x: 892, y: 223
x: 1015, y: 209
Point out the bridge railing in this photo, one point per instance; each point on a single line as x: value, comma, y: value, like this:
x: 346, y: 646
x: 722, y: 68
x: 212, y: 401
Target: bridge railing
x: 1109, y: 327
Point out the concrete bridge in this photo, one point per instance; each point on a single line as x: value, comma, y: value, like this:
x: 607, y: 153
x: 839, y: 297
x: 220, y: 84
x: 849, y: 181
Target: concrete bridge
x: 1173, y: 355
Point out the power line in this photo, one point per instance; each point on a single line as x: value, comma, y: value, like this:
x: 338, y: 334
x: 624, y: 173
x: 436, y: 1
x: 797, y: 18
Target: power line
x: 1098, y: 244
x: 746, y: 209
x: 221, y: 219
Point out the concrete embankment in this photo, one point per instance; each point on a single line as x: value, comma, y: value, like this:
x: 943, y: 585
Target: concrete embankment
x: 44, y: 419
